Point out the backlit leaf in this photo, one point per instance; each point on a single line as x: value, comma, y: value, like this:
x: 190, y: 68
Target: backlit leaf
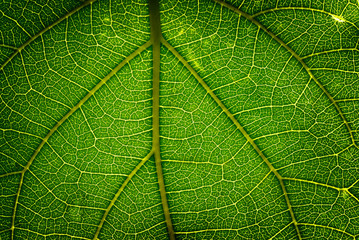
x: 179, y: 119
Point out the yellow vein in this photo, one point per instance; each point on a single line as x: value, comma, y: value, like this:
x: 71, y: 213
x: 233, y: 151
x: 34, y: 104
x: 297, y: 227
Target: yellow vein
x: 147, y: 230
x: 20, y: 132
x: 348, y: 100
x: 330, y: 51
x: 8, y: 46
x: 57, y: 198
x: 257, y: 224
x: 114, y: 199
x: 225, y: 206
x: 51, y: 99
x: 12, y: 110
x: 31, y: 39
x: 25, y: 70
x: 64, y: 118
x: 16, y: 22
x: 51, y: 234
x: 346, y: 190
x: 156, y: 36
x: 301, y: 8
x: 280, y: 231
x: 315, y: 183
x: 334, y: 69
x: 238, y: 125
x: 283, y: 132
x: 328, y: 227
x: 9, y: 174
x: 299, y: 59
x: 13, y: 159
x: 354, y: 183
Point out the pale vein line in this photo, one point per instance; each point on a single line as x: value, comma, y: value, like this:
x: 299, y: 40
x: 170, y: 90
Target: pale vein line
x: 237, y: 124
x: 315, y: 183
x: 51, y: 234
x: 300, y: 8
x: 27, y: 76
x: 353, y: 183
x: 299, y: 59
x: 9, y: 174
x: 13, y: 159
x: 192, y: 162
x: 325, y: 185
x: 114, y: 199
x: 232, y: 229
x: 314, y: 158
x: 330, y: 51
x: 16, y: 22
x: 31, y: 39
x: 59, y: 199
x: 333, y: 69
x: 64, y: 118
x: 284, y: 132
x: 20, y: 132
x: 328, y: 227
x: 347, y: 100
x: 148, y: 229
x: 226, y: 206
x: 12, y: 110
x: 280, y: 231
x: 8, y: 46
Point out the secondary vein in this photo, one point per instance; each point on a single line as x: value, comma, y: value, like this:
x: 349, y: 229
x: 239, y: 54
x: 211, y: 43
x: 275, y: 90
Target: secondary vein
x: 120, y: 190
x: 239, y: 127
x: 64, y: 118
x: 299, y: 59
x: 31, y: 39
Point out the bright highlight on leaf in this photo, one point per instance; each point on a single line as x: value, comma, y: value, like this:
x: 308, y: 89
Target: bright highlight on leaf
x: 338, y: 18
x: 179, y: 119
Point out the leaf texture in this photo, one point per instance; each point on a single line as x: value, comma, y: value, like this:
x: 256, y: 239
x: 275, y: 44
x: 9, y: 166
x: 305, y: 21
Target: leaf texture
x: 179, y: 119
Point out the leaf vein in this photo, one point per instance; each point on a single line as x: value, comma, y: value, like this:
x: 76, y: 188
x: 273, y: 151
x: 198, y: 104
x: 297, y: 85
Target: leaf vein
x: 238, y: 125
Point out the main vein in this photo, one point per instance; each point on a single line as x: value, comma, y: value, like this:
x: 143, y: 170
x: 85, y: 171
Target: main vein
x: 64, y: 118
x: 156, y: 36
x: 239, y: 127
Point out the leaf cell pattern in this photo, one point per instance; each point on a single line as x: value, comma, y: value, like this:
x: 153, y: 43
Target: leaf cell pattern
x: 179, y: 119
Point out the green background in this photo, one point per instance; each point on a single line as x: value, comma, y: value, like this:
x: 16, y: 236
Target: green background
x: 258, y: 111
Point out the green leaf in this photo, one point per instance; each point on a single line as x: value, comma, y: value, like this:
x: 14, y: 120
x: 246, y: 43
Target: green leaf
x: 179, y: 119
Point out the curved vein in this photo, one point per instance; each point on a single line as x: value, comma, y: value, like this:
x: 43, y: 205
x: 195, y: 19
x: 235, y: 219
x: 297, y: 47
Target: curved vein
x: 16, y: 22
x: 20, y: 114
x: 239, y: 127
x: 277, y: 233
x: 114, y: 199
x: 31, y: 39
x: 8, y: 46
x: 300, y: 8
x: 325, y: 185
x: 9, y: 174
x: 334, y: 69
x: 64, y: 118
x: 328, y: 227
x: 52, y: 234
x: 299, y: 59
x: 330, y: 51
x: 256, y: 224
x: 313, y: 182
x: 348, y: 100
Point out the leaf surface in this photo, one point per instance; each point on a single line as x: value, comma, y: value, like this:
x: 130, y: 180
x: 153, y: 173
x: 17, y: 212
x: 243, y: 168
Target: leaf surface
x: 179, y: 119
